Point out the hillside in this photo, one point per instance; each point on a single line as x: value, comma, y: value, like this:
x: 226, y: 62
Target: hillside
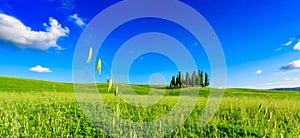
x: 10, y: 84
x: 288, y: 89
x: 32, y: 108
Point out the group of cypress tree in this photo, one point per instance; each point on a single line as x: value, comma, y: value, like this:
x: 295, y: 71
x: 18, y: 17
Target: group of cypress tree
x: 194, y: 80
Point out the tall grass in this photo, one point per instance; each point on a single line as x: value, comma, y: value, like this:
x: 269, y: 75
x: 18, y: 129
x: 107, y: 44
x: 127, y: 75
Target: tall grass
x: 56, y: 114
x: 30, y: 108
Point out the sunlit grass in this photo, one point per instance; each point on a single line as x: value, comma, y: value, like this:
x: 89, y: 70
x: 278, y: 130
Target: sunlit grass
x: 242, y: 113
x: 49, y: 114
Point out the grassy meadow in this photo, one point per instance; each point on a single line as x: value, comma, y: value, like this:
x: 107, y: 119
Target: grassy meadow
x: 32, y: 108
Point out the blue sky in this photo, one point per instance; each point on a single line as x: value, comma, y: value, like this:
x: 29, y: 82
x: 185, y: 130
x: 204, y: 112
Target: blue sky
x: 260, y: 40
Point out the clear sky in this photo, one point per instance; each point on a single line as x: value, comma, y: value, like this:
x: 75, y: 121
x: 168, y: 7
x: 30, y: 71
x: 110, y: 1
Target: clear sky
x: 260, y: 40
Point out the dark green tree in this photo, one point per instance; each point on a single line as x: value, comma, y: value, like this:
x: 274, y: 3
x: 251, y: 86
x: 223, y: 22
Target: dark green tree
x: 206, y: 82
x: 187, y: 79
x: 197, y: 79
x: 194, y: 78
x: 200, y: 78
x: 173, y: 81
x: 180, y: 79
x: 177, y: 81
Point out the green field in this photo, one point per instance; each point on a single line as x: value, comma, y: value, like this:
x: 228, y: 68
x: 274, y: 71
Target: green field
x: 32, y: 108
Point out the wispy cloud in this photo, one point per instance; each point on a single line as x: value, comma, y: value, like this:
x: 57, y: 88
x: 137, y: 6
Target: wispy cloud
x: 297, y: 46
x: 276, y: 84
x: 40, y: 69
x: 13, y: 31
x: 258, y: 72
x: 288, y: 43
x: 67, y: 5
x: 292, y: 65
x: 77, y: 20
x: 290, y: 79
x: 278, y: 49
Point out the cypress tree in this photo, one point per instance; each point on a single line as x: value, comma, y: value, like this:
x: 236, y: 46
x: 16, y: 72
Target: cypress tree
x: 173, y: 81
x: 180, y: 79
x: 187, y: 79
x: 206, y: 80
x: 200, y: 74
x: 194, y: 78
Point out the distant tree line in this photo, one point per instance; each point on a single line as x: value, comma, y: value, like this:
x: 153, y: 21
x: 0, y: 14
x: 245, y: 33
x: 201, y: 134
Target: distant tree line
x: 194, y: 80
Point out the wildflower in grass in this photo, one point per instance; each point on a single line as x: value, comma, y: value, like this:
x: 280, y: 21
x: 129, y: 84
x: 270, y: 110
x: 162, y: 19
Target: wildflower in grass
x: 117, y: 91
x: 54, y: 87
x: 109, y: 85
x: 107, y: 78
x: 98, y: 67
x: 90, y: 55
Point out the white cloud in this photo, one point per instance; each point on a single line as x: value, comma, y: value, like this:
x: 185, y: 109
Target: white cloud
x: 77, y: 20
x: 68, y: 5
x: 290, y: 79
x: 275, y: 84
x: 292, y: 65
x: 278, y: 49
x: 40, y: 69
x: 15, y: 32
x: 288, y: 43
x: 297, y: 46
x: 258, y: 72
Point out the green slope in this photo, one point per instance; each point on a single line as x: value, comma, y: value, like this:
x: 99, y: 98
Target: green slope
x: 10, y: 84
x: 34, y: 108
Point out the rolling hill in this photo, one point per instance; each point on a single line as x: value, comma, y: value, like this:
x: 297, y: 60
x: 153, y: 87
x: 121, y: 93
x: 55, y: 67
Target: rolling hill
x: 35, y: 108
x: 11, y: 84
x: 288, y: 89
